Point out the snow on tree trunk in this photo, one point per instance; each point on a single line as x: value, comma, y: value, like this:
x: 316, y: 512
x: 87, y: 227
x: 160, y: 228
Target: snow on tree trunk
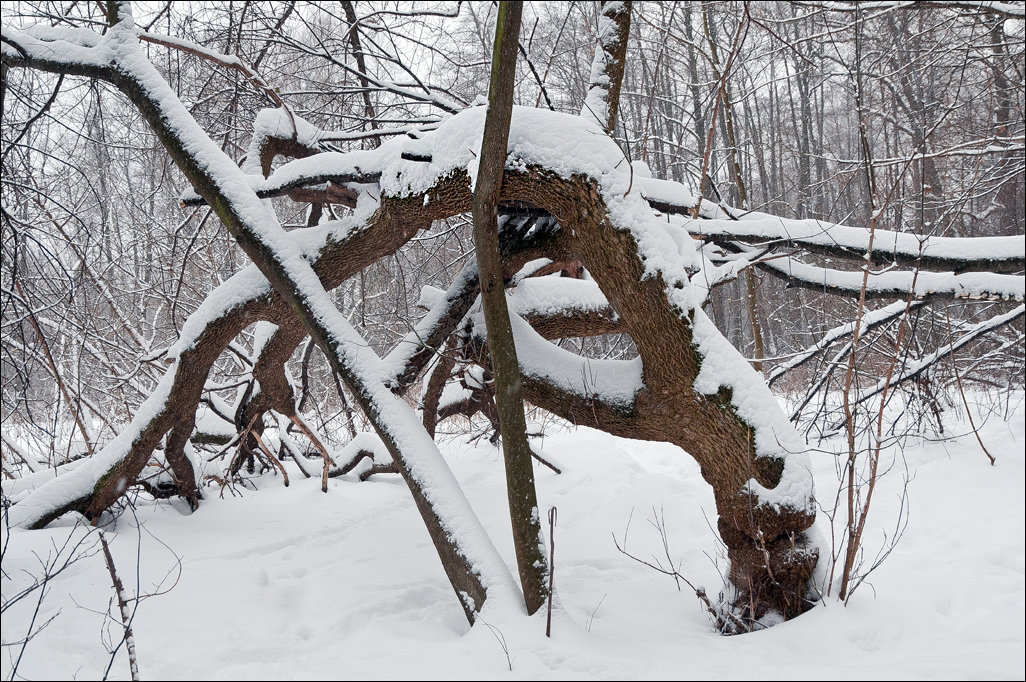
x: 473, y: 566
x: 602, y: 101
x: 688, y: 387
x: 699, y: 393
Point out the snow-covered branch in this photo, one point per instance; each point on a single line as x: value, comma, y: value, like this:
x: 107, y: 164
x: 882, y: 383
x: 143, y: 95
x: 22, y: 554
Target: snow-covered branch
x: 601, y: 104
x: 898, y: 283
x: 956, y: 253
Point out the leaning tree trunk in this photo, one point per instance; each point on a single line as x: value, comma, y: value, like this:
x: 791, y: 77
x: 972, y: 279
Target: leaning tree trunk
x: 770, y: 560
x: 472, y: 565
x: 602, y: 101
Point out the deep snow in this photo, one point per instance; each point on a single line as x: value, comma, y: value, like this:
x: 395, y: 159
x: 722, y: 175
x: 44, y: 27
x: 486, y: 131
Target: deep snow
x: 291, y: 583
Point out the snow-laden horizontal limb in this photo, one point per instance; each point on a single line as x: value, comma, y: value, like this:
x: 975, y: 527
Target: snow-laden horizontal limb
x: 920, y: 284
x: 959, y: 254
x: 336, y: 177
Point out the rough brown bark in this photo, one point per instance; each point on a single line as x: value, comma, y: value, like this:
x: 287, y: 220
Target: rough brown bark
x: 181, y: 467
x: 712, y: 433
x: 433, y: 391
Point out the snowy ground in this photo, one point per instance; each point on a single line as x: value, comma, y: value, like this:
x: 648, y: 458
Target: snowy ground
x: 290, y: 583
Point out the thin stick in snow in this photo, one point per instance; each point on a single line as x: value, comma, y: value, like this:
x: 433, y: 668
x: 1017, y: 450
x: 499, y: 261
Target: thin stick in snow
x: 552, y: 567
x: 958, y: 380
x: 126, y: 617
x: 328, y: 461
x: 270, y: 456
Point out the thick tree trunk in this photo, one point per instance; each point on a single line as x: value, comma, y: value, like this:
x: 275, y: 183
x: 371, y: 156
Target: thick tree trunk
x: 771, y: 559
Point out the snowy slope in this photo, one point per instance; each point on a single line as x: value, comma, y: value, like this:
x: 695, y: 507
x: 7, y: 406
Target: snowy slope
x: 290, y: 583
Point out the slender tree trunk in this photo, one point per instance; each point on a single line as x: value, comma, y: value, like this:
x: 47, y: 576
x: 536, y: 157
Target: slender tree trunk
x: 523, y: 500
x: 361, y: 65
x: 1008, y: 196
x: 696, y: 94
x: 603, y: 99
x: 741, y: 188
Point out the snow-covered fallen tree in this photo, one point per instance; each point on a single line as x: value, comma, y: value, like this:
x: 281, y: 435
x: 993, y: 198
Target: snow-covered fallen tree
x: 652, y: 251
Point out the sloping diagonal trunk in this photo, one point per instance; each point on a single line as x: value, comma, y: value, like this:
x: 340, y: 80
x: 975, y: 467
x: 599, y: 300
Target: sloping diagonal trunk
x: 474, y: 568
x: 602, y: 101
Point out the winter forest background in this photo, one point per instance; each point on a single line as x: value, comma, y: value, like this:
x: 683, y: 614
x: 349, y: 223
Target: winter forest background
x: 763, y: 265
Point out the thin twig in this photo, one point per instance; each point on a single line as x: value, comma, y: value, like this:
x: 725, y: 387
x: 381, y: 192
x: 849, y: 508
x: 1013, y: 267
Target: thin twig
x: 328, y: 461
x: 958, y: 380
